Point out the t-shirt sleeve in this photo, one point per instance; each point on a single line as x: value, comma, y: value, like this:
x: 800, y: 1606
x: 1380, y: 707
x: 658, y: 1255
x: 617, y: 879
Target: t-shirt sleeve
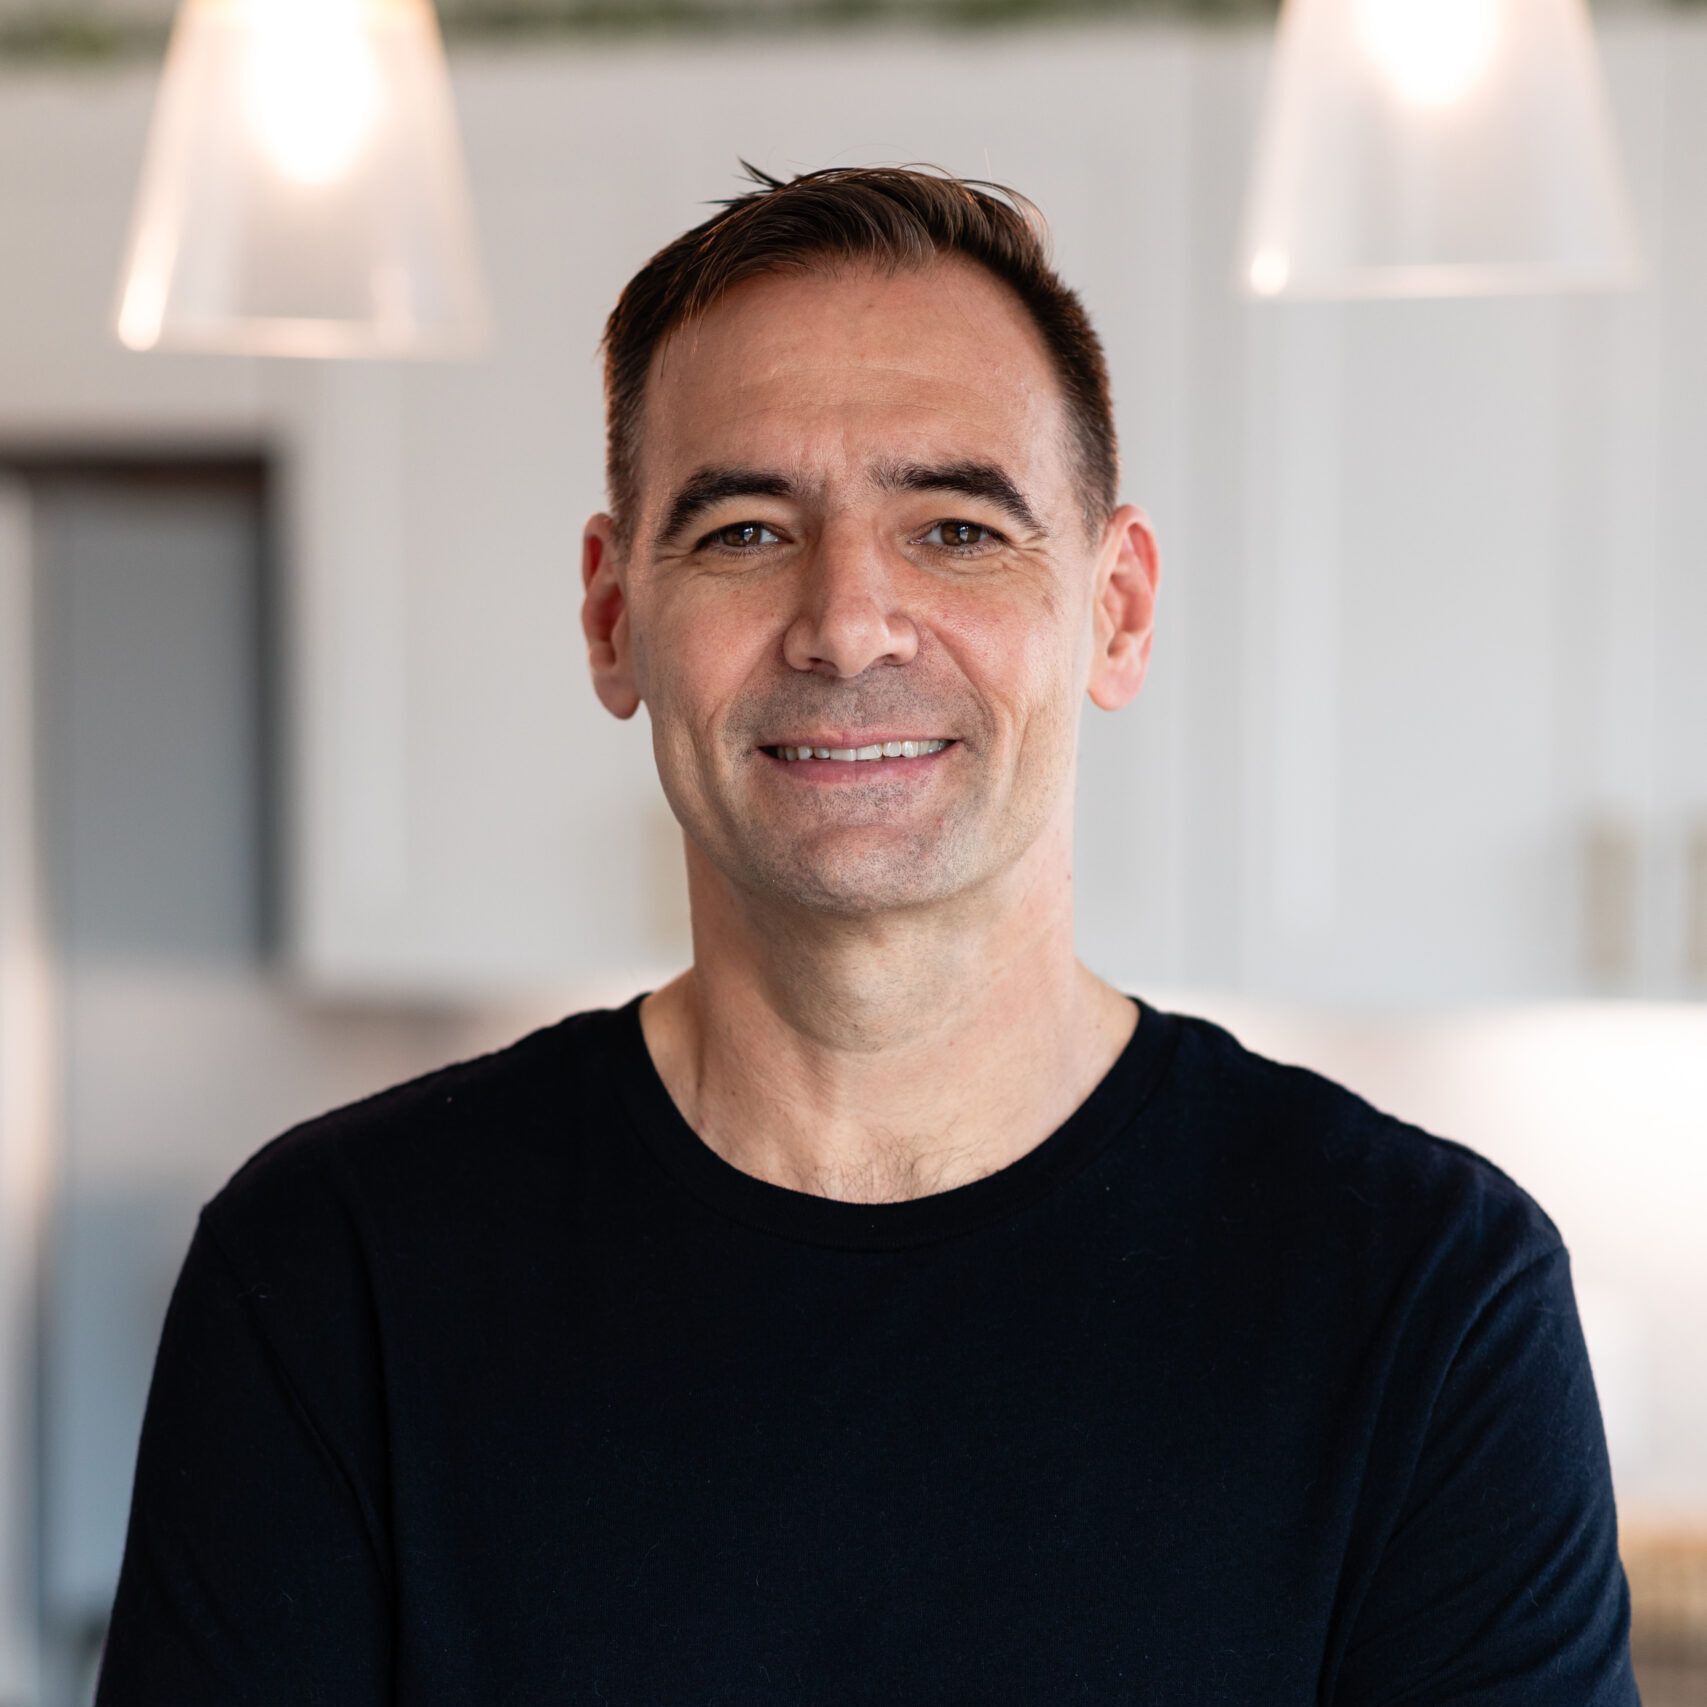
x: 252, y: 1575
x: 1500, y: 1582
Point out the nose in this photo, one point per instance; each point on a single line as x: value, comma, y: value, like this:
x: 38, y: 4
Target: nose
x: 849, y: 614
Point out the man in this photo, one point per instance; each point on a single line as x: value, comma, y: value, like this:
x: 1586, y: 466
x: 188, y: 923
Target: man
x: 887, y: 1309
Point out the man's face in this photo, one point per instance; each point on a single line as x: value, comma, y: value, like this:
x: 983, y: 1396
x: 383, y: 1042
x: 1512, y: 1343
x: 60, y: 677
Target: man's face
x: 842, y: 591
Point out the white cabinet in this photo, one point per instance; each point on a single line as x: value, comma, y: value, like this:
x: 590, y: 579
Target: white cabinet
x: 1406, y: 603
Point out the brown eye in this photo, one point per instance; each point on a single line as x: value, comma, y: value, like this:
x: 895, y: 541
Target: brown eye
x: 736, y: 538
x: 956, y: 541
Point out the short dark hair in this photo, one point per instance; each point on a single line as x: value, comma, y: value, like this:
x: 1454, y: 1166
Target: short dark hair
x: 893, y: 217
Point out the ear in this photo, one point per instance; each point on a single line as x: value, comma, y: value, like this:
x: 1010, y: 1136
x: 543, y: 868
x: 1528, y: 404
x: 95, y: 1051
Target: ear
x: 604, y: 620
x: 1128, y: 572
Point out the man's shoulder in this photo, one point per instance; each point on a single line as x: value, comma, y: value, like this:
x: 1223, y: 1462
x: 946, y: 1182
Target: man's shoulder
x: 1296, y: 1148
x: 438, y: 1131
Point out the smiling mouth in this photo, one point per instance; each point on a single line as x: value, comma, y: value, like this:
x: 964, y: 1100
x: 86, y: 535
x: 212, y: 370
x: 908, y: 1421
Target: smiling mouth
x: 888, y: 752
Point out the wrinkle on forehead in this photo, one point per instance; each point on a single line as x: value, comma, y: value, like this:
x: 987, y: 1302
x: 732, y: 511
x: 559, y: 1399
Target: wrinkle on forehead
x: 843, y: 422
x: 882, y: 382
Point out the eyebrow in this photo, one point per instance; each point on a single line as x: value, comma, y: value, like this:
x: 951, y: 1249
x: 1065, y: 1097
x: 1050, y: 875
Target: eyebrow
x: 711, y: 485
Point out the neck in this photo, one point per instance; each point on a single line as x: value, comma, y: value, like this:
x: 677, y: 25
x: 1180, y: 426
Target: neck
x: 882, y: 1059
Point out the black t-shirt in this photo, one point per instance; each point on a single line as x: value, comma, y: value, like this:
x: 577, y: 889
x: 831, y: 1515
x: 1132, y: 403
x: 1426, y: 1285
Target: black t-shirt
x: 501, y: 1386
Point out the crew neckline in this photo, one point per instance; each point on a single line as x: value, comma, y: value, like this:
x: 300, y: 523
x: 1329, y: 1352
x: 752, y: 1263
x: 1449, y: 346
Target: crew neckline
x: 1116, y: 1102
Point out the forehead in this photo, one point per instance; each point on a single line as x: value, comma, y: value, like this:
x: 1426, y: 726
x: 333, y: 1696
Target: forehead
x: 827, y: 370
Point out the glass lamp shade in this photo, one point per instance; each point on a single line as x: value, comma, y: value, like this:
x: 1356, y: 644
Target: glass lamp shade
x: 1434, y: 148
x: 303, y: 190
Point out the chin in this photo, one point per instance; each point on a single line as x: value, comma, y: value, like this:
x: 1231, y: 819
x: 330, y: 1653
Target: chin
x: 863, y: 893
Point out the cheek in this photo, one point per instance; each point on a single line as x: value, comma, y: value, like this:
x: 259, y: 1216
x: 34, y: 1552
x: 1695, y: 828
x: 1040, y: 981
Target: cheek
x: 704, y: 659
x: 1018, y: 657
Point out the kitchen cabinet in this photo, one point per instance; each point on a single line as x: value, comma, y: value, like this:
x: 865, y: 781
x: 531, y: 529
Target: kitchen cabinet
x: 1410, y: 798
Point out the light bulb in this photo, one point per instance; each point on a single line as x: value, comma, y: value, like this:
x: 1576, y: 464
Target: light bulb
x: 1269, y: 272
x: 1433, y: 52
x: 311, y: 84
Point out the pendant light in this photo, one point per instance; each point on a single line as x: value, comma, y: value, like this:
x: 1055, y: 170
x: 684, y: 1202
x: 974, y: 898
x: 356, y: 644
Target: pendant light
x: 1435, y: 147
x: 303, y: 190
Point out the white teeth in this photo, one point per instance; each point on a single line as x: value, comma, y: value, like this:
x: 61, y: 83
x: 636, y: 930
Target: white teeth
x: 852, y: 755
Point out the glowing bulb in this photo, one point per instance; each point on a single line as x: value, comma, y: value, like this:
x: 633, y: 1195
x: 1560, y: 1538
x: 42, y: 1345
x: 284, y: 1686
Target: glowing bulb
x: 311, y: 83
x: 1432, y: 51
x: 1269, y: 272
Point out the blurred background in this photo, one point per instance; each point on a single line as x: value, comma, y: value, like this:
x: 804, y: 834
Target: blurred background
x: 303, y: 786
